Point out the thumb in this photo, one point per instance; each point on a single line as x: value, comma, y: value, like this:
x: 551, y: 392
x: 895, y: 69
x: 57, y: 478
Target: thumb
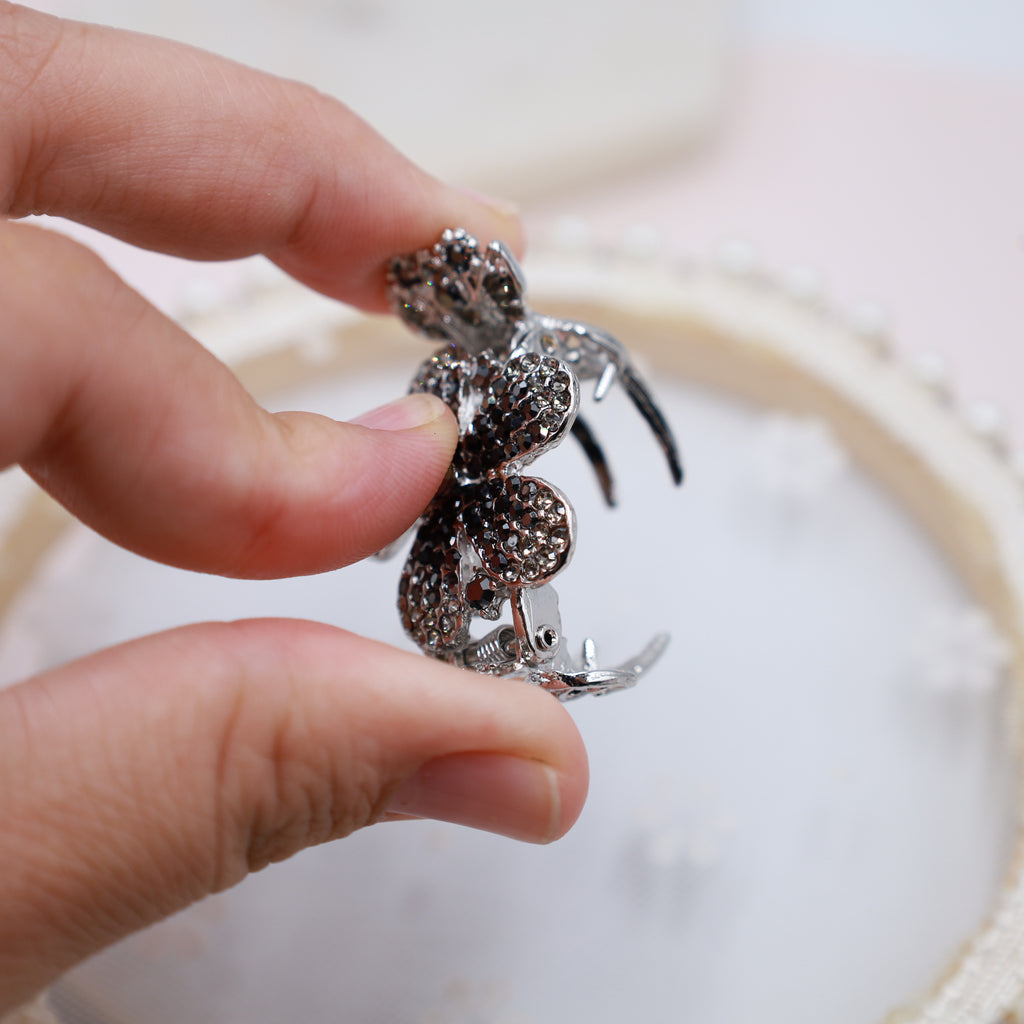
x: 139, y: 779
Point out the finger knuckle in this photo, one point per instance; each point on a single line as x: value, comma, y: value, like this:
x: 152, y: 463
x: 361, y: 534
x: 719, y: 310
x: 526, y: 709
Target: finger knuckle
x: 280, y: 785
x: 29, y: 45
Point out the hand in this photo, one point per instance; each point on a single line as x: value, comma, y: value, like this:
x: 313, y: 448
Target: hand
x: 143, y: 777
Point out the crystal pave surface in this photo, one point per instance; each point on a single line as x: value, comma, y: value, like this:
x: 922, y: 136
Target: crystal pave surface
x: 519, y: 531
x: 492, y: 536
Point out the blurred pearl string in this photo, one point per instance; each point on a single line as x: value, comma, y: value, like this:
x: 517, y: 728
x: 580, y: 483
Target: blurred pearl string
x: 796, y: 458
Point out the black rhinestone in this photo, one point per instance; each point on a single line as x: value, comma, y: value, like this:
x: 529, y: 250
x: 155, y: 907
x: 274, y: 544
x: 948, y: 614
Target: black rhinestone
x: 479, y: 594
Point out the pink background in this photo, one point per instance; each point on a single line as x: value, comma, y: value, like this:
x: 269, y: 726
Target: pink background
x: 881, y: 146
x: 895, y: 180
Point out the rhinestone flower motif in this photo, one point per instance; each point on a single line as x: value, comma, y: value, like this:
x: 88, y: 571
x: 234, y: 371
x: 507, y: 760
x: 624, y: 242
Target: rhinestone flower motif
x: 494, y: 537
x: 520, y: 530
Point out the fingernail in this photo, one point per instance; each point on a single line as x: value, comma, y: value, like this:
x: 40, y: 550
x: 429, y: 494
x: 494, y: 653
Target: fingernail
x: 416, y: 410
x: 509, y: 228
x: 504, y: 208
x: 494, y: 792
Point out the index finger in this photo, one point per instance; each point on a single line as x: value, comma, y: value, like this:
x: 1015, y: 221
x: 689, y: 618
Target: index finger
x: 174, y: 149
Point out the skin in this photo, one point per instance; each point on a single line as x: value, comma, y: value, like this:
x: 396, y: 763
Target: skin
x: 145, y: 776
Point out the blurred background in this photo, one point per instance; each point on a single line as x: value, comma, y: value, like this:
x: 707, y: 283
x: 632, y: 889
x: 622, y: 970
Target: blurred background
x: 863, y: 153
x: 879, y: 146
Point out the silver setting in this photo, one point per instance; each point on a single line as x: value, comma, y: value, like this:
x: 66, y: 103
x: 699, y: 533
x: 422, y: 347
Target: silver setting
x: 493, y: 536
